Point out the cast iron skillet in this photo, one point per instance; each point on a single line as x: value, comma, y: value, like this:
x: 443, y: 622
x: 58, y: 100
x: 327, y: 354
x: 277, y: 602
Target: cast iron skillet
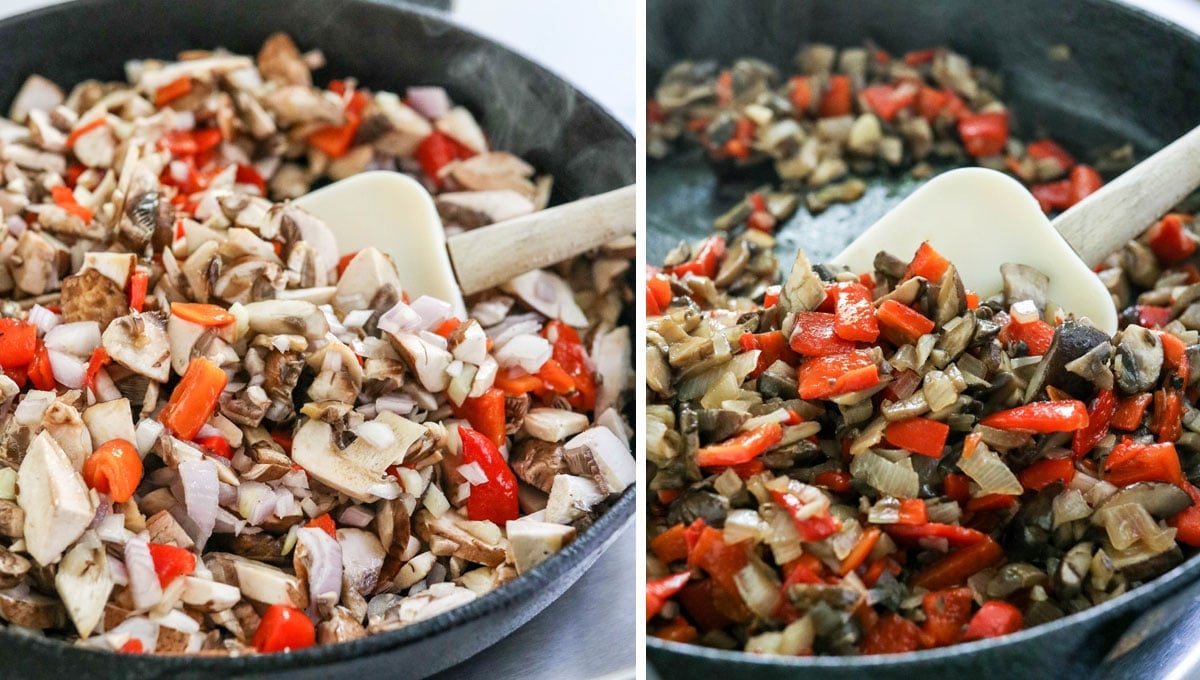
x: 525, y: 109
x: 1130, y: 78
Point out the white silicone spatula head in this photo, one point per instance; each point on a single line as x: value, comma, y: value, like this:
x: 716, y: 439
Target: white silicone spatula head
x: 394, y: 213
x: 980, y: 219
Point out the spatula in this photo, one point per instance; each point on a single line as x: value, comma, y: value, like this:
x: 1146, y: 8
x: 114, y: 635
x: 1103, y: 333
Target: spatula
x: 394, y: 213
x: 980, y: 219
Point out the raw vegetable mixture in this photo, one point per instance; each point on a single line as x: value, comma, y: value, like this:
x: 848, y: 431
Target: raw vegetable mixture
x: 215, y: 435
x: 879, y: 462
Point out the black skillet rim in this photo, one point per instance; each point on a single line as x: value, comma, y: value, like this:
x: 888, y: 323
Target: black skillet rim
x: 591, y: 543
x: 1159, y: 588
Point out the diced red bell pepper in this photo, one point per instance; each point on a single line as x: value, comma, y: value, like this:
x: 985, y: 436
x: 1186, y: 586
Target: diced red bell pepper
x: 717, y: 558
x: 139, y: 281
x: 671, y: 545
x: 771, y: 297
x: 1042, y: 417
x: 994, y: 618
x: 660, y: 590
x: 284, y: 628
x: 707, y: 259
x: 957, y: 487
x: 927, y: 263
x: 741, y: 448
x: 658, y: 287
x: 815, y: 528
x: 1052, y: 195
x: 984, y: 134
x: 1130, y: 462
x: 172, y: 91
x: 918, y: 57
x: 893, y: 634
x: 1187, y: 522
x: 486, y: 414
x: 772, y: 347
x: 918, y: 435
x: 1175, y: 356
x: 946, y: 612
x: 1130, y: 412
x: 324, y: 523
x: 1046, y: 472
x: 1083, y: 182
x: 434, y: 153
x: 98, y: 361
x: 1037, y: 335
x: 824, y: 377
x: 931, y: 102
x: 854, y: 312
x: 678, y: 630
x: 194, y: 399
x: 571, y: 355
x: 699, y: 600
x: 901, y: 324
x: 1168, y: 415
x: 171, y: 562
x: 837, y: 100
x: 989, y: 502
x: 40, y: 373
x: 955, y: 568
x: 18, y: 343
x: 956, y: 536
x: 800, y: 92
x: 888, y: 100
x: 861, y: 550
x: 217, y: 446
x: 495, y: 499
x: 1048, y: 148
x: 814, y: 335
x: 1170, y: 239
x: 1099, y: 417
x: 836, y: 481
x: 912, y: 511
x: 1149, y: 316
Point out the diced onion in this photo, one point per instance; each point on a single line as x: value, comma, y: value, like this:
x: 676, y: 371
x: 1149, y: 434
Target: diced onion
x: 1024, y: 311
x: 356, y: 516
x: 1069, y: 506
x: 744, y: 524
x: 473, y: 473
x: 68, y: 370
x: 758, y: 588
x: 146, y: 434
x: 892, y: 479
x: 990, y: 472
x: 429, y: 101
x: 376, y: 434
x: 43, y: 318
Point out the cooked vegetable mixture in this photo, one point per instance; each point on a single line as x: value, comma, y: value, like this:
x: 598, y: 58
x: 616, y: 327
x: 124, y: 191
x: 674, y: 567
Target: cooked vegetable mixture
x: 879, y: 462
x: 853, y: 112
x: 216, y: 435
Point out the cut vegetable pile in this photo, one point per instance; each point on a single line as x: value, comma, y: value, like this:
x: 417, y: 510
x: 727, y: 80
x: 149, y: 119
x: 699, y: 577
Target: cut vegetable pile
x: 880, y: 462
x: 852, y: 112
x: 215, y: 435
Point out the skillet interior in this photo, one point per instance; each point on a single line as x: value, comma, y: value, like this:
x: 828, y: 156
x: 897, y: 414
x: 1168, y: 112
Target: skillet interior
x: 1129, y: 79
x: 386, y: 45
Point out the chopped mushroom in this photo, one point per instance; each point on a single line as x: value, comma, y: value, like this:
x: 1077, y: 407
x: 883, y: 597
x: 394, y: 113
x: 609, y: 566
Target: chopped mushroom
x: 83, y: 581
x: 548, y: 294
x: 314, y: 450
x: 530, y: 542
x: 55, y: 500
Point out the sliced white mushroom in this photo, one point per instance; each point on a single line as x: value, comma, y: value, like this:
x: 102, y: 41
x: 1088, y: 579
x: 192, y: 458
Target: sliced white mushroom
x: 554, y: 424
x: 313, y: 449
x: 109, y: 420
x: 426, y: 359
x: 261, y: 582
x: 63, y: 423
x: 468, y: 343
x: 35, y: 262
x: 611, y: 352
x: 140, y: 343
x: 116, y: 266
x: 402, y: 433
x: 318, y: 562
x: 36, y: 94
x: 284, y: 317
x: 83, y: 582
x: 362, y: 559
x: 461, y: 125
x: 208, y: 595
x: 366, y: 273
x: 408, y: 128
x: 548, y: 294
x: 96, y: 147
x: 472, y: 209
x: 58, y: 508
x: 530, y: 542
x: 571, y: 497
x: 611, y: 454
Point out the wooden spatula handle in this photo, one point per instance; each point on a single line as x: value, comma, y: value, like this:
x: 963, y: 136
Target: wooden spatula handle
x: 494, y: 254
x: 1123, y: 208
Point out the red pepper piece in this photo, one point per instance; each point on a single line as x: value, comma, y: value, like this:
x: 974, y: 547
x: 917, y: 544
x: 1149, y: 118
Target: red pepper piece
x: 994, y: 618
x: 741, y: 448
x: 824, y: 377
x: 814, y: 335
x: 1130, y: 412
x: 819, y: 526
x: 927, y: 263
x: 888, y: 100
x: 1175, y: 355
x: 284, y: 628
x: 946, y: 612
x: 918, y: 57
x: 800, y: 92
x: 861, y: 550
x: 171, y: 562
x: 957, y: 487
x: 771, y: 297
x: 1168, y: 415
x: 434, y: 153
x: 1037, y: 335
x: 671, y: 545
x: 1083, y: 181
x: 40, y: 372
x: 836, y: 481
x: 495, y: 499
x: 931, y: 102
x: 486, y: 414
x: 956, y: 536
x: 837, y: 100
x: 919, y: 435
x: 984, y: 134
x: 958, y: 566
x: 1048, y: 148
x: 1042, y: 417
x: 678, y: 630
x: 717, y: 558
x: 139, y: 281
x: 893, y: 634
x: 1046, y: 472
x: 992, y: 501
x: 1149, y: 316
x: 912, y: 511
x: 18, y: 343
x: 1099, y: 417
x: 1052, y: 195
x: 1187, y: 522
x: 1170, y: 239
x: 706, y: 261
x: 901, y: 324
x: 772, y: 347
x: 324, y: 523
x: 1130, y: 462
x: 699, y: 600
x: 854, y: 312
x: 194, y: 399
x: 660, y: 590
x: 217, y: 446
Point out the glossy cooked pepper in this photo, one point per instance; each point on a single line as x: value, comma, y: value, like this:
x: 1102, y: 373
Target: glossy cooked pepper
x: 284, y: 628
x: 1041, y: 417
x: 194, y: 399
x: 742, y: 448
x: 496, y: 499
